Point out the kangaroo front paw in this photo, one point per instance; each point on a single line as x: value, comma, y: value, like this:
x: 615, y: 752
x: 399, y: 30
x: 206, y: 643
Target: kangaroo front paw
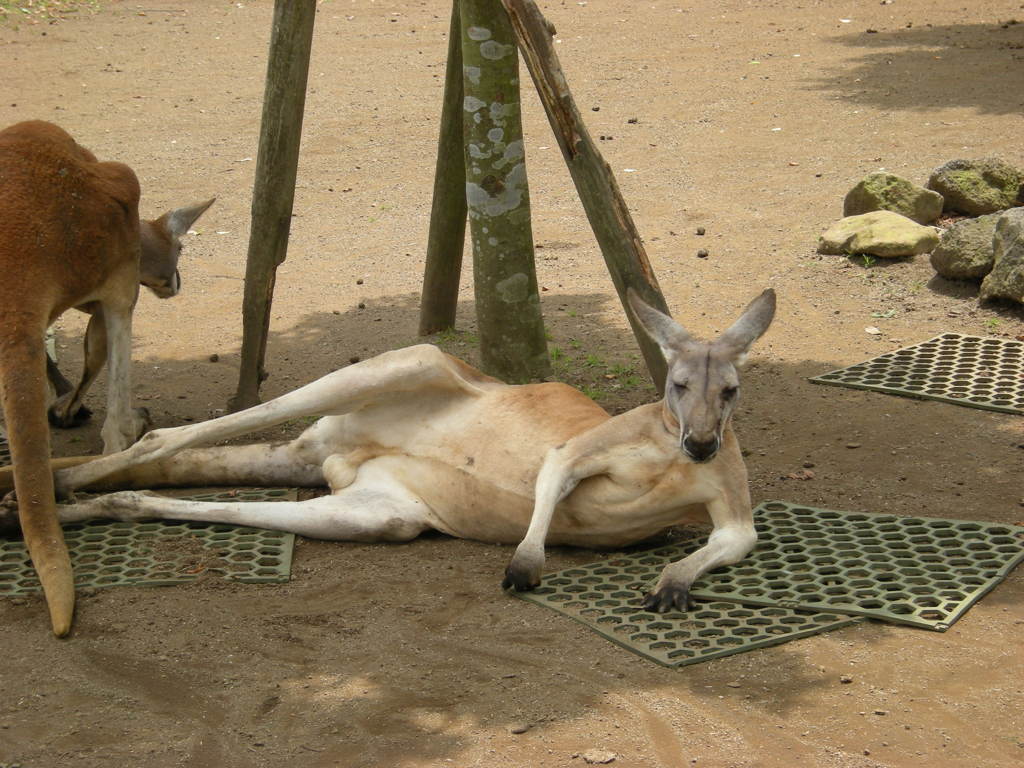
x: 64, y: 419
x: 120, y: 434
x: 667, y: 598
x: 523, y: 573
x: 141, y: 421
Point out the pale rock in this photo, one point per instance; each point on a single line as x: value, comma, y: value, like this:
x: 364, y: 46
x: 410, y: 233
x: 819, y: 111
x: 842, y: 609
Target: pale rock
x: 879, y: 233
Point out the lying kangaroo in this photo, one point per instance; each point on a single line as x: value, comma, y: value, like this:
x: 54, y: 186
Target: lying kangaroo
x: 70, y: 236
x: 415, y: 439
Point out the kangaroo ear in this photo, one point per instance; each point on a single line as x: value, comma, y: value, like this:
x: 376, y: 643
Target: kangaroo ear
x: 741, y: 335
x: 180, y: 219
x: 669, y: 334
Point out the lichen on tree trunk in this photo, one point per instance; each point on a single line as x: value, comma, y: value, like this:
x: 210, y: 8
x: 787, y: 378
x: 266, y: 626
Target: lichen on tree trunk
x: 512, y: 339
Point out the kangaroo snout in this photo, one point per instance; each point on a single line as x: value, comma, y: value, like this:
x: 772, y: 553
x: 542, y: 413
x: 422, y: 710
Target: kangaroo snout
x: 700, y: 450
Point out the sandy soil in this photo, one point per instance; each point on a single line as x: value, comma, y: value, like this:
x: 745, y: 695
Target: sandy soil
x: 752, y: 120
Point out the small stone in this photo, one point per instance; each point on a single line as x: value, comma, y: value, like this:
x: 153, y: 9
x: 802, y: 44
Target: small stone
x: 808, y: 464
x: 214, y: 358
x: 965, y: 250
x: 702, y: 253
x: 359, y: 281
x: 362, y: 305
x: 596, y: 109
x: 845, y: 679
x: 733, y: 684
x: 598, y: 756
x: 700, y: 230
x: 881, y: 712
x: 882, y: 191
x: 519, y: 728
x: 977, y: 187
x: 1006, y: 280
x: 853, y: 445
x: 354, y: 359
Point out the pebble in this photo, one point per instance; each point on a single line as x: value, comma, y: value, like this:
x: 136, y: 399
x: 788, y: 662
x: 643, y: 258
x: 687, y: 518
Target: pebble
x: 733, y: 684
x: 700, y: 230
x: 519, y: 728
x: 845, y: 679
x: 214, y: 357
x: 598, y: 756
x: 702, y: 253
x: 853, y: 445
x: 881, y: 712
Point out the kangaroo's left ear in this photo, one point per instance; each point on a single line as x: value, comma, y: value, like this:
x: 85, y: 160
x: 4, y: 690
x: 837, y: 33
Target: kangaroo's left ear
x: 741, y: 335
x: 179, y: 220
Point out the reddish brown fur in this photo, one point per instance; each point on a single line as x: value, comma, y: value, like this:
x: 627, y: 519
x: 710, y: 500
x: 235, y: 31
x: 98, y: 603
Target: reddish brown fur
x: 69, y: 235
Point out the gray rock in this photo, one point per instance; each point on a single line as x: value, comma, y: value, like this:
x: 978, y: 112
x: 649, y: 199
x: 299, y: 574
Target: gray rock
x: 883, y: 191
x: 965, y: 251
x: 879, y: 233
x: 1006, y: 280
x: 977, y: 187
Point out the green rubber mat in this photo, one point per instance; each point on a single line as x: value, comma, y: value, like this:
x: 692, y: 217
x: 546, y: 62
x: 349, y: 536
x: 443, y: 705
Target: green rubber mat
x: 924, y: 572
x: 606, y: 598
x: 106, y: 554
x: 966, y: 370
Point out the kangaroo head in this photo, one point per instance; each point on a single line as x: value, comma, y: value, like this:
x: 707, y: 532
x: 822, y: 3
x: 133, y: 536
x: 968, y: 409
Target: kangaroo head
x: 703, y: 384
x: 161, y: 246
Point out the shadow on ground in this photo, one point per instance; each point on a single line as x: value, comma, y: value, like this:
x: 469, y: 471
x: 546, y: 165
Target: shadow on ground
x: 926, y: 67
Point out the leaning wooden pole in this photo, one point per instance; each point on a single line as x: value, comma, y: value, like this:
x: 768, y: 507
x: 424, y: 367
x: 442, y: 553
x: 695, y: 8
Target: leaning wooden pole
x: 513, y: 346
x: 284, y: 100
x: 447, y: 236
x: 605, y: 207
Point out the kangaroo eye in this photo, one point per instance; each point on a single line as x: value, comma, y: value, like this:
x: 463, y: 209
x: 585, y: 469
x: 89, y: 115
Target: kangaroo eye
x: 679, y: 385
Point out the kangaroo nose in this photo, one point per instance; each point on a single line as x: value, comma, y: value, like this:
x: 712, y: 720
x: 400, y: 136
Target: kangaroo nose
x: 700, y: 450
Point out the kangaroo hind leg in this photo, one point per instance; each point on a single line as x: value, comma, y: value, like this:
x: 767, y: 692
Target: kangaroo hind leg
x: 390, y: 377
x: 363, y: 512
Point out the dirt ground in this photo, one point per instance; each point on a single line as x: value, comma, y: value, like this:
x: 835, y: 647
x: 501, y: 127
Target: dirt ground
x: 751, y: 120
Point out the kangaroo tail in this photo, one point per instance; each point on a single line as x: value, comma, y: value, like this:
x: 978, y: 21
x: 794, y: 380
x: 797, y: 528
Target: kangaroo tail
x: 23, y: 381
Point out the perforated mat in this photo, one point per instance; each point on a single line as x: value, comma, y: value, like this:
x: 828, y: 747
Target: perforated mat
x: 966, y: 370
x: 925, y: 572
x: 607, y: 599
x: 106, y: 553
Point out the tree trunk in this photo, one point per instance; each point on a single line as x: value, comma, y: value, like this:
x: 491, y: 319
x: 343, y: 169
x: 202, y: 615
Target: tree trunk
x: 512, y: 341
x: 606, y: 210
x: 284, y: 100
x: 447, y: 236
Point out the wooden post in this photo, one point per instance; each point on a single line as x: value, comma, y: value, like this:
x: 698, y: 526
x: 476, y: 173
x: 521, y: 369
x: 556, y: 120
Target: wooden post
x: 513, y: 346
x: 447, y: 236
x: 606, y: 210
x: 284, y: 100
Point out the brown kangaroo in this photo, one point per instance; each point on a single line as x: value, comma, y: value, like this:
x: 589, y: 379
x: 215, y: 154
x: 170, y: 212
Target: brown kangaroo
x: 70, y: 236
